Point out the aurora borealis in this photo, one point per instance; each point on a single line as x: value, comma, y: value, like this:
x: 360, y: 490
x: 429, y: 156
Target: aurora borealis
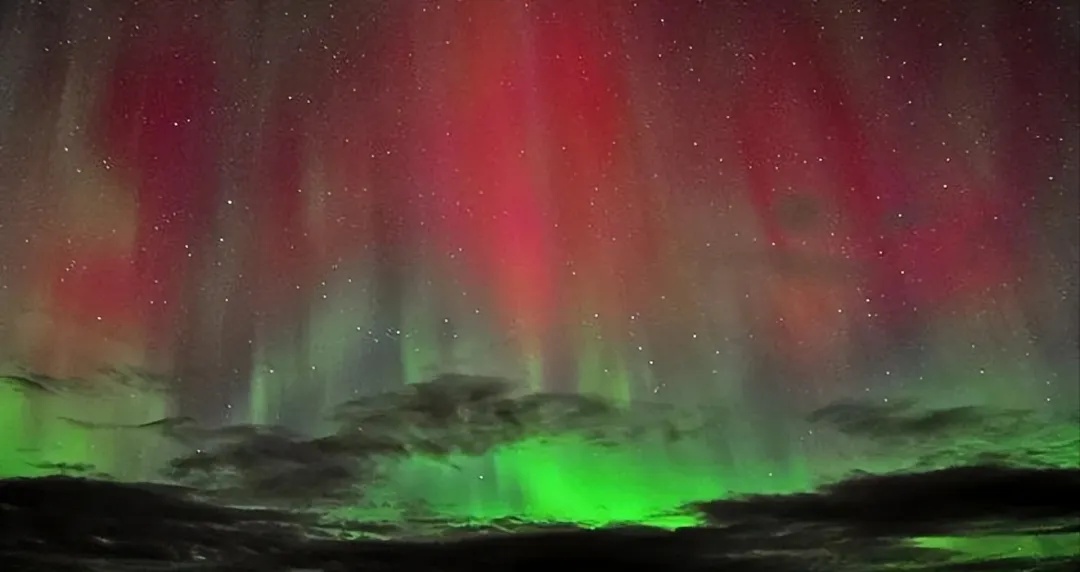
x: 755, y: 249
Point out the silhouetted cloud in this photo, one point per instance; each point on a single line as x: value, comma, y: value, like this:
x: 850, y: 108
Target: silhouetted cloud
x: 954, y: 501
x: 451, y: 415
x: 1009, y: 515
x: 937, y: 438
x: 865, y: 524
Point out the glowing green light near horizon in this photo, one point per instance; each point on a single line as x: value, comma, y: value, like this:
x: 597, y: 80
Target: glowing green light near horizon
x: 37, y: 438
x: 567, y: 479
x: 15, y: 438
x: 570, y: 480
x: 560, y: 480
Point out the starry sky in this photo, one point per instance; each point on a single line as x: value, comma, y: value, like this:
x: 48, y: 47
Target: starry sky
x: 280, y: 205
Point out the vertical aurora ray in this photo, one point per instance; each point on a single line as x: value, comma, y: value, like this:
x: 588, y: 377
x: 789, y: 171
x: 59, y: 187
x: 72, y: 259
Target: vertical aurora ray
x: 703, y: 204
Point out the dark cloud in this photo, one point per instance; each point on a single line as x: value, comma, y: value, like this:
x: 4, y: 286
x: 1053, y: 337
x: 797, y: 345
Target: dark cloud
x: 450, y: 415
x: 865, y: 524
x: 954, y: 501
x: 903, y: 419
x: 28, y: 383
x: 102, y: 521
x: 1007, y: 515
x: 936, y: 438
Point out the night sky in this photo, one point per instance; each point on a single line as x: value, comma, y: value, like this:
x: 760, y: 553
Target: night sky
x: 277, y: 206
x: 630, y: 197
x: 756, y: 247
